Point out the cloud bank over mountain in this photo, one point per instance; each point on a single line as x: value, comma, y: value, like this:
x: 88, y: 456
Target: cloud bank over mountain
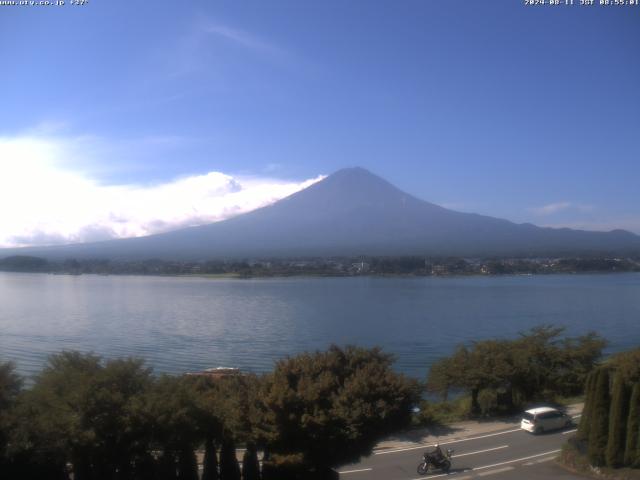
x: 44, y: 200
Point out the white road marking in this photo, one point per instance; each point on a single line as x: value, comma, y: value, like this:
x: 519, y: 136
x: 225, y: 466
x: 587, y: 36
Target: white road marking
x: 435, y: 476
x: 464, y: 455
x: 570, y: 431
x: 480, y: 451
x: 355, y: 471
x: 450, y: 474
x: 542, y: 460
x: 492, y: 472
x: 516, y: 460
x: 385, y: 452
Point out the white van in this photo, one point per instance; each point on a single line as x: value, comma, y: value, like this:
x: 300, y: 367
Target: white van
x: 542, y: 419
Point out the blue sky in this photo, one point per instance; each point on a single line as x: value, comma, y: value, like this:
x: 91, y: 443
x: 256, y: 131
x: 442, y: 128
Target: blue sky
x: 526, y: 113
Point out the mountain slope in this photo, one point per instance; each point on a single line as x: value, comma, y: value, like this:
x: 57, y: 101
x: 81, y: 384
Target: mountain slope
x: 351, y: 212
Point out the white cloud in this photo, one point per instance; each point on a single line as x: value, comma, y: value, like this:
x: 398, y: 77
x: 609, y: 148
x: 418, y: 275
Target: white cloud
x: 45, y: 198
x: 204, y: 45
x: 553, y: 208
x: 245, y: 39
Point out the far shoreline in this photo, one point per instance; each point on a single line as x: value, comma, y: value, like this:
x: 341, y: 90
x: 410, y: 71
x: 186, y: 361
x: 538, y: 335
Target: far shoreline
x: 355, y: 266
x: 238, y: 276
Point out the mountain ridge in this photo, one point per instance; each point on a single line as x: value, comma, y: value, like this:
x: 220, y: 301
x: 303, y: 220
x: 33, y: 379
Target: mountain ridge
x: 351, y: 212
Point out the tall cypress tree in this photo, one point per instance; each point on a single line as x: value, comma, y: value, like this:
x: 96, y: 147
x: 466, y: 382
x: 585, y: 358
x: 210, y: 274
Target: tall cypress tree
x: 229, y: 468
x: 268, y: 470
x: 210, y: 462
x: 167, y: 466
x: 585, y: 419
x: 617, y: 422
x: 599, y: 424
x: 145, y: 468
x: 632, y: 447
x: 187, y: 465
x: 250, y: 464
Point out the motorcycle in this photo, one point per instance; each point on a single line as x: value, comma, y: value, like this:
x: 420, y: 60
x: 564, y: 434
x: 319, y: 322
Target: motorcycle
x: 430, y: 462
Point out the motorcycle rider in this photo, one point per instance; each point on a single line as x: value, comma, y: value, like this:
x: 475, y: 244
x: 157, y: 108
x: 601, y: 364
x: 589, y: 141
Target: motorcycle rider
x: 436, y: 459
x: 436, y: 455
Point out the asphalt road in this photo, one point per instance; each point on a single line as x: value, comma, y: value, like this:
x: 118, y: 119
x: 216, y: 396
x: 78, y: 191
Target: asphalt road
x: 506, y: 454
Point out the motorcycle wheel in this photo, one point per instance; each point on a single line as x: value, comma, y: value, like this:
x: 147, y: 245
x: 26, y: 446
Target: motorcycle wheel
x: 423, y: 468
x: 446, y: 466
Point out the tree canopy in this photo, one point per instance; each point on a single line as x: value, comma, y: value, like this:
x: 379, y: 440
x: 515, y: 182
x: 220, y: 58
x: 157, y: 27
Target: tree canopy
x: 113, y: 419
x: 539, y: 364
x: 333, y: 406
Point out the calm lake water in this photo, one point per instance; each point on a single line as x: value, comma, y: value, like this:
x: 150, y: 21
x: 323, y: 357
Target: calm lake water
x: 183, y: 324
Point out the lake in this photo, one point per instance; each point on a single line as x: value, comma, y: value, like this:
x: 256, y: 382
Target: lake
x: 183, y: 324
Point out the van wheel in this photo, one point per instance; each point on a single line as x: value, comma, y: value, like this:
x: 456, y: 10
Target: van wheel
x: 539, y: 430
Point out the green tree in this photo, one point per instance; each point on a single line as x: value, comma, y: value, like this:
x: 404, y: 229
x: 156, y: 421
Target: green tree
x: 114, y: 411
x: 187, y: 464
x: 585, y: 419
x: 446, y: 374
x: 229, y: 468
x: 599, y: 426
x: 167, y: 466
x: 145, y: 467
x: 82, y: 411
x: 628, y: 365
x: 578, y: 357
x: 632, y: 443
x: 332, y: 407
x: 617, y: 422
x: 538, y: 365
x: 52, y: 422
x: 10, y: 386
x: 173, y: 411
x: 210, y: 461
x: 250, y: 464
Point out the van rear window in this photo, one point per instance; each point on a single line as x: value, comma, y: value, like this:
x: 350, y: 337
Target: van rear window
x: 527, y: 416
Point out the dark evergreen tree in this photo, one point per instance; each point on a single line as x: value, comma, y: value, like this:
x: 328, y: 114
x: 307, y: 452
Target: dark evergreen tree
x: 187, y: 465
x: 585, y: 419
x: 145, y: 468
x: 229, y: 468
x: 250, y: 464
x: 599, y: 425
x: 268, y: 471
x: 617, y: 422
x: 167, y: 467
x: 210, y: 462
x: 82, y: 468
x: 632, y: 445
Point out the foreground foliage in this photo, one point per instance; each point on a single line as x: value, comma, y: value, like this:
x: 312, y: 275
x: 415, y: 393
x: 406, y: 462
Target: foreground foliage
x: 502, y: 375
x: 114, y: 420
x: 334, y: 406
x: 609, y: 431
